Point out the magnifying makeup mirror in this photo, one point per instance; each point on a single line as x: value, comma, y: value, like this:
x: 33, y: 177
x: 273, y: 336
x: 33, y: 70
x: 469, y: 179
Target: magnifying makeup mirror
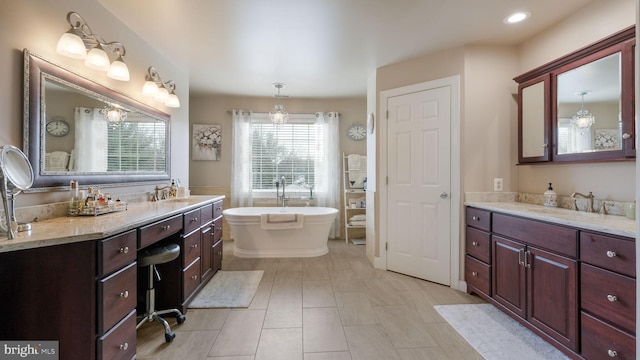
x: 16, y: 175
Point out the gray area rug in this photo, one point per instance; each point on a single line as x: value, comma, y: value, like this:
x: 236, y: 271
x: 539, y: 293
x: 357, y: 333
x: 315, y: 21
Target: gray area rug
x: 229, y: 289
x: 495, y: 335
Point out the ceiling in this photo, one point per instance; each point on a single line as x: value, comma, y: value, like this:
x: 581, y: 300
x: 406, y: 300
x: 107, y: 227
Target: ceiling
x: 319, y: 48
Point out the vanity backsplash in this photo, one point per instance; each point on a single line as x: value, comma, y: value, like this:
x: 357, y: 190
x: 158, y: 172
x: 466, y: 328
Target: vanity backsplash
x: 614, y: 207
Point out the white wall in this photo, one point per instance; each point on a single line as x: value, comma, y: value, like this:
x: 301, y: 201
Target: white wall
x: 37, y: 26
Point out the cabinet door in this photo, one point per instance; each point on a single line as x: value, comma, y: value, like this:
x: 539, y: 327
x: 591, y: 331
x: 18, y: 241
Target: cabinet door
x: 206, y: 235
x: 534, y: 120
x: 552, y: 294
x: 216, y: 255
x: 509, y: 275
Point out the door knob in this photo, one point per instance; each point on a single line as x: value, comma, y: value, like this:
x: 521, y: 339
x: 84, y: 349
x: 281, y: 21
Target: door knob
x: 444, y: 195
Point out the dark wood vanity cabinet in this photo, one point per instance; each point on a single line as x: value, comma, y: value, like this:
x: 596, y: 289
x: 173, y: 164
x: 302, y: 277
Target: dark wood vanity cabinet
x: 608, y: 296
x: 575, y: 288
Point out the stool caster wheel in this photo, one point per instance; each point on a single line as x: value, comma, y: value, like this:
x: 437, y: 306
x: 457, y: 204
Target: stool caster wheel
x: 181, y: 319
x: 170, y: 336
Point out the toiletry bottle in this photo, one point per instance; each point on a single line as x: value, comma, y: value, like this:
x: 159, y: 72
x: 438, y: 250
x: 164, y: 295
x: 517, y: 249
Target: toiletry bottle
x: 73, y: 203
x: 550, y: 197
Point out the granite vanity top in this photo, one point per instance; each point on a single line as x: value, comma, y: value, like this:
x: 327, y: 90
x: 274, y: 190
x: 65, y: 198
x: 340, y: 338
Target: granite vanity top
x: 610, y: 224
x: 70, y: 229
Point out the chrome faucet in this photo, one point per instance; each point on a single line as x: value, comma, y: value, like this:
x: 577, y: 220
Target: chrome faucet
x: 589, y: 198
x: 167, y: 192
x: 281, y: 199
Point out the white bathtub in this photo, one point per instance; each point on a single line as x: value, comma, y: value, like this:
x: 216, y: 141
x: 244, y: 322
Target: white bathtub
x: 252, y: 241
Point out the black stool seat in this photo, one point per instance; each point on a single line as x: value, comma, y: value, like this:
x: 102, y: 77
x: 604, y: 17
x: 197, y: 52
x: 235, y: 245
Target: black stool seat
x: 158, y: 254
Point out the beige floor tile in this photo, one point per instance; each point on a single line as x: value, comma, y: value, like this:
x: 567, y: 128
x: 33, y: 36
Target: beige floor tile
x: 243, y: 357
x: 370, y: 342
x: 280, y: 344
x: 452, y: 343
x: 336, y: 355
x: 290, y: 264
x: 322, y: 330
x: 434, y: 353
x: 444, y: 295
x: 186, y: 345
x: 261, y: 298
x: 402, y: 282
x: 380, y: 292
x: 404, y: 327
x: 314, y: 270
x: 422, y: 303
x: 240, y: 333
x: 355, y: 309
x: 283, y: 317
x: 344, y: 283
x: 203, y: 319
x: 318, y: 294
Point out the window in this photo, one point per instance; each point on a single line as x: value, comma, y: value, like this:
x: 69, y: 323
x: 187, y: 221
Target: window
x: 290, y: 150
x: 136, y: 146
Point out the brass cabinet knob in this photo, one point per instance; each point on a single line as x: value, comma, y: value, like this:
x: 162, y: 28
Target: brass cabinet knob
x: 124, y: 250
x: 124, y: 294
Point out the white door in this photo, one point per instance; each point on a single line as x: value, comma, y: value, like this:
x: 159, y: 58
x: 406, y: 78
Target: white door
x: 419, y: 183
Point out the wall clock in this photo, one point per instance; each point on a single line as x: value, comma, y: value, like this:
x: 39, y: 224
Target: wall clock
x: 357, y: 132
x: 58, y: 127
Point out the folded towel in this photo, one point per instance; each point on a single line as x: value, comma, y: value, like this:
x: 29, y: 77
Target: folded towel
x: 358, y: 223
x: 359, y: 217
x: 353, y: 161
x: 281, y: 221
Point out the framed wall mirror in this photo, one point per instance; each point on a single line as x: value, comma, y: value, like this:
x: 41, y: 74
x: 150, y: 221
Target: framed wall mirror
x: 75, y: 128
x: 580, y: 107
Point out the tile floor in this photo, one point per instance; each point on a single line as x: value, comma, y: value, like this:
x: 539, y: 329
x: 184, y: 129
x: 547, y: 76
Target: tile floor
x: 333, y: 307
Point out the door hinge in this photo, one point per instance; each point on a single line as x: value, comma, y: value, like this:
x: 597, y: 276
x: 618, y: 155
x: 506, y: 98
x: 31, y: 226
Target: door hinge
x: 386, y: 246
x: 387, y: 180
x: 387, y: 115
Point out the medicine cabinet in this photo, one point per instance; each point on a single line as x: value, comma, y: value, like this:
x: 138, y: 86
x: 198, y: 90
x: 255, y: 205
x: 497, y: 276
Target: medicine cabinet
x: 580, y: 107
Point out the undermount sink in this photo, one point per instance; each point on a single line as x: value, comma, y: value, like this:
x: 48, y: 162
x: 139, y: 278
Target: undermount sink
x: 560, y: 211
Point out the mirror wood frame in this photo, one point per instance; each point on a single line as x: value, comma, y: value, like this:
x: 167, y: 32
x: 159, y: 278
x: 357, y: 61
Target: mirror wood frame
x: 622, y: 41
x: 36, y: 70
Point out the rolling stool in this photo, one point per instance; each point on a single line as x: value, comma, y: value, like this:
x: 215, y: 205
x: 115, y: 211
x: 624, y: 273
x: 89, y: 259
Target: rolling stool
x: 152, y: 256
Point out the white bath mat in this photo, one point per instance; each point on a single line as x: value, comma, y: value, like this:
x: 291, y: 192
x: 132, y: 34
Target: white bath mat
x: 495, y: 335
x: 229, y: 289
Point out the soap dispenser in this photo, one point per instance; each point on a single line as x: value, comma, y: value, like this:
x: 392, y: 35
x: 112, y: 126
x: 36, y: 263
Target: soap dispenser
x: 550, y: 197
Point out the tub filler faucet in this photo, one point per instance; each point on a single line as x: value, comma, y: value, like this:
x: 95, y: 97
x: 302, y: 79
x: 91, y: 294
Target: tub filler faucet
x: 282, y: 200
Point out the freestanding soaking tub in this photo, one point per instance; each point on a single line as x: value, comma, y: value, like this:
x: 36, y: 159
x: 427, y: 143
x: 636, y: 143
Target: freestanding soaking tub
x: 262, y: 232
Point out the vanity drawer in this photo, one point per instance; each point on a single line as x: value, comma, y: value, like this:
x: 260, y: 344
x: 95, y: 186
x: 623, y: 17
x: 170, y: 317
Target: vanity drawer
x: 609, y: 296
x: 217, y: 229
x: 560, y: 239
x: 191, y: 278
x: 190, y: 248
x: 608, y: 252
x: 116, y: 252
x: 191, y: 220
x: 478, y: 244
x: 602, y: 341
x: 116, y: 296
x: 206, y: 214
x: 477, y: 218
x: 157, y: 231
x: 120, y: 342
x: 217, y: 209
x: 477, y: 274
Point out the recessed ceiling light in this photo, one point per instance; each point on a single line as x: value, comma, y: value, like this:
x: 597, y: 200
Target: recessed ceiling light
x: 517, y: 17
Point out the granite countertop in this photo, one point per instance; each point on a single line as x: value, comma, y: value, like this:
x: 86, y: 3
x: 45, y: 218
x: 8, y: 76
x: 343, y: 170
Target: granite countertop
x: 610, y: 224
x: 71, y: 229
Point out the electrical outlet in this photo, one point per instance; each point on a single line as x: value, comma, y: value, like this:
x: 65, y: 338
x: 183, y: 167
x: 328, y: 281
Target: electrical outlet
x: 497, y: 184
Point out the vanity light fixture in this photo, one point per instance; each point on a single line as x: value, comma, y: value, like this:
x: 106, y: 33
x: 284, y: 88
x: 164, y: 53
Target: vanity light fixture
x: 517, y: 17
x: 113, y: 114
x: 75, y: 42
x: 582, y: 119
x: 161, y: 91
x: 279, y: 115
